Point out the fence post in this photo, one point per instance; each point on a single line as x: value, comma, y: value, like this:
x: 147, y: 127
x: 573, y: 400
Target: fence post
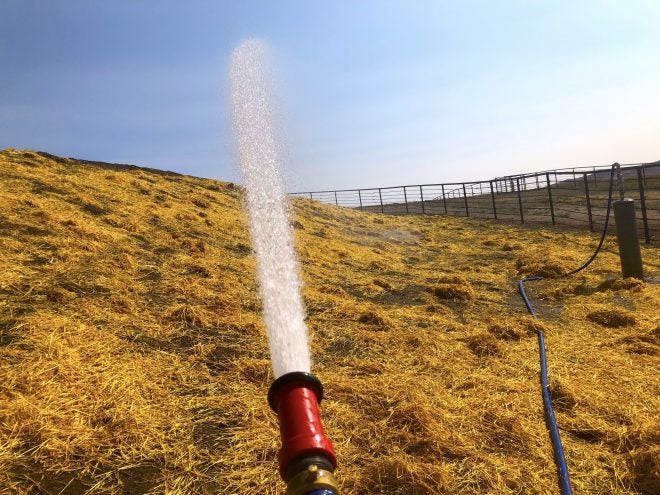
x: 536, y: 176
x: 381, y: 201
x: 520, y: 205
x: 644, y: 175
x: 405, y: 198
x: 336, y: 202
x: 360, y: 198
x: 467, y: 212
x: 492, y: 198
x: 311, y: 196
x: 421, y: 197
x: 642, y: 201
x: 444, y: 200
x: 552, y: 206
x: 595, y: 180
x: 586, y: 193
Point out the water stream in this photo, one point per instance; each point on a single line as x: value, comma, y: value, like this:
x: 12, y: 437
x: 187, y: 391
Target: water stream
x: 272, y: 238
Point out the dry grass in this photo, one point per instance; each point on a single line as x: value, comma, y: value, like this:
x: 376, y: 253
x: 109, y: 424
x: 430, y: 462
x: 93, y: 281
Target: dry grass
x: 133, y: 358
x: 612, y: 317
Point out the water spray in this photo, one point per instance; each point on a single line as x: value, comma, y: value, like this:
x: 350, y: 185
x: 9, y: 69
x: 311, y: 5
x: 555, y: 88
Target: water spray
x: 307, y: 458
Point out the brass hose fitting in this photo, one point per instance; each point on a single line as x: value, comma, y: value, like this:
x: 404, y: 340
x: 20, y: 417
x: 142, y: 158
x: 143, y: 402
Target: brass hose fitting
x: 312, y: 478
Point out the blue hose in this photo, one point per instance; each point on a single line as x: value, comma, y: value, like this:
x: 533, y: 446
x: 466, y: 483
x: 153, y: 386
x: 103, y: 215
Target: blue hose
x: 322, y: 492
x: 558, y: 449
x: 521, y: 289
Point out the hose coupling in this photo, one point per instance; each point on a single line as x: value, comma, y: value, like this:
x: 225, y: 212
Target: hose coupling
x: 315, y: 479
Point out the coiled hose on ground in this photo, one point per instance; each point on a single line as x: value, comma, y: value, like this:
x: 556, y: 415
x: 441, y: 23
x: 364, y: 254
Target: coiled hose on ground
x: 558, y: 449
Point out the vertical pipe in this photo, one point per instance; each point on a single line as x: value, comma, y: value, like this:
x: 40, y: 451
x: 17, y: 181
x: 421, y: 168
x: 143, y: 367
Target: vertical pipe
x: 595, y: 173
x: 627, y: 238
x: 336, y: 202
x: 444, y: 200
x: 492, y: 198
x: 536, y: 176
x: 421, y: 197
x: 520, y: 205
x: 467, y: 212
x: 360, y: 198
x: 586, y: 193
x: 642, y: 202
x: 552, y: 206
x: 381, y: 201
x: 405, y: 198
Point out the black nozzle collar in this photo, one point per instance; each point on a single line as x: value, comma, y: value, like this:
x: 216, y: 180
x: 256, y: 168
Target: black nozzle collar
x: 295, y: 376
x: 301, y: 463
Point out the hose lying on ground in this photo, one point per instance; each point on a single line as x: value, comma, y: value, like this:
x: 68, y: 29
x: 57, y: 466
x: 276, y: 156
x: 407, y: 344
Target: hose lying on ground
x: 560, y: 460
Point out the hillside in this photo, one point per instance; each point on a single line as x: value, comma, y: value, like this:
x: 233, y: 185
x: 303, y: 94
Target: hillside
x: 133, y: 359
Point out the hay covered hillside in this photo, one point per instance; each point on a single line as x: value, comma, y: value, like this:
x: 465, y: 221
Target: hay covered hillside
x: 133, y: 359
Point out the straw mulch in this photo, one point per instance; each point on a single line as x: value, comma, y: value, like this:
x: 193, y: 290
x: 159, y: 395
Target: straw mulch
x: 133, y: 358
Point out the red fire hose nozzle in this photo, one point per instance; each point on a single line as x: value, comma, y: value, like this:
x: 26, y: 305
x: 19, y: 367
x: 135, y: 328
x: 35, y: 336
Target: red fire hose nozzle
x: 295, y: 397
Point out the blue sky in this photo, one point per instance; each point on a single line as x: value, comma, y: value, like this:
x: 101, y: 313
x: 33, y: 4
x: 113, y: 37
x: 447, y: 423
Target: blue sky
x: 370, y: 92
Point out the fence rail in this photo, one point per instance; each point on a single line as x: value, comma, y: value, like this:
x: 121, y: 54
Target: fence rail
x: 574, y: 197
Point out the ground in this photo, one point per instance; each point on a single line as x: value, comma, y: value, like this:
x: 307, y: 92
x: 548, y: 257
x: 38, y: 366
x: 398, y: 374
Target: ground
x: 133, y: 358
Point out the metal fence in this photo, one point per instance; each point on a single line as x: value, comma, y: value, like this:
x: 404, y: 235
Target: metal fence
x: 575, y: 197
